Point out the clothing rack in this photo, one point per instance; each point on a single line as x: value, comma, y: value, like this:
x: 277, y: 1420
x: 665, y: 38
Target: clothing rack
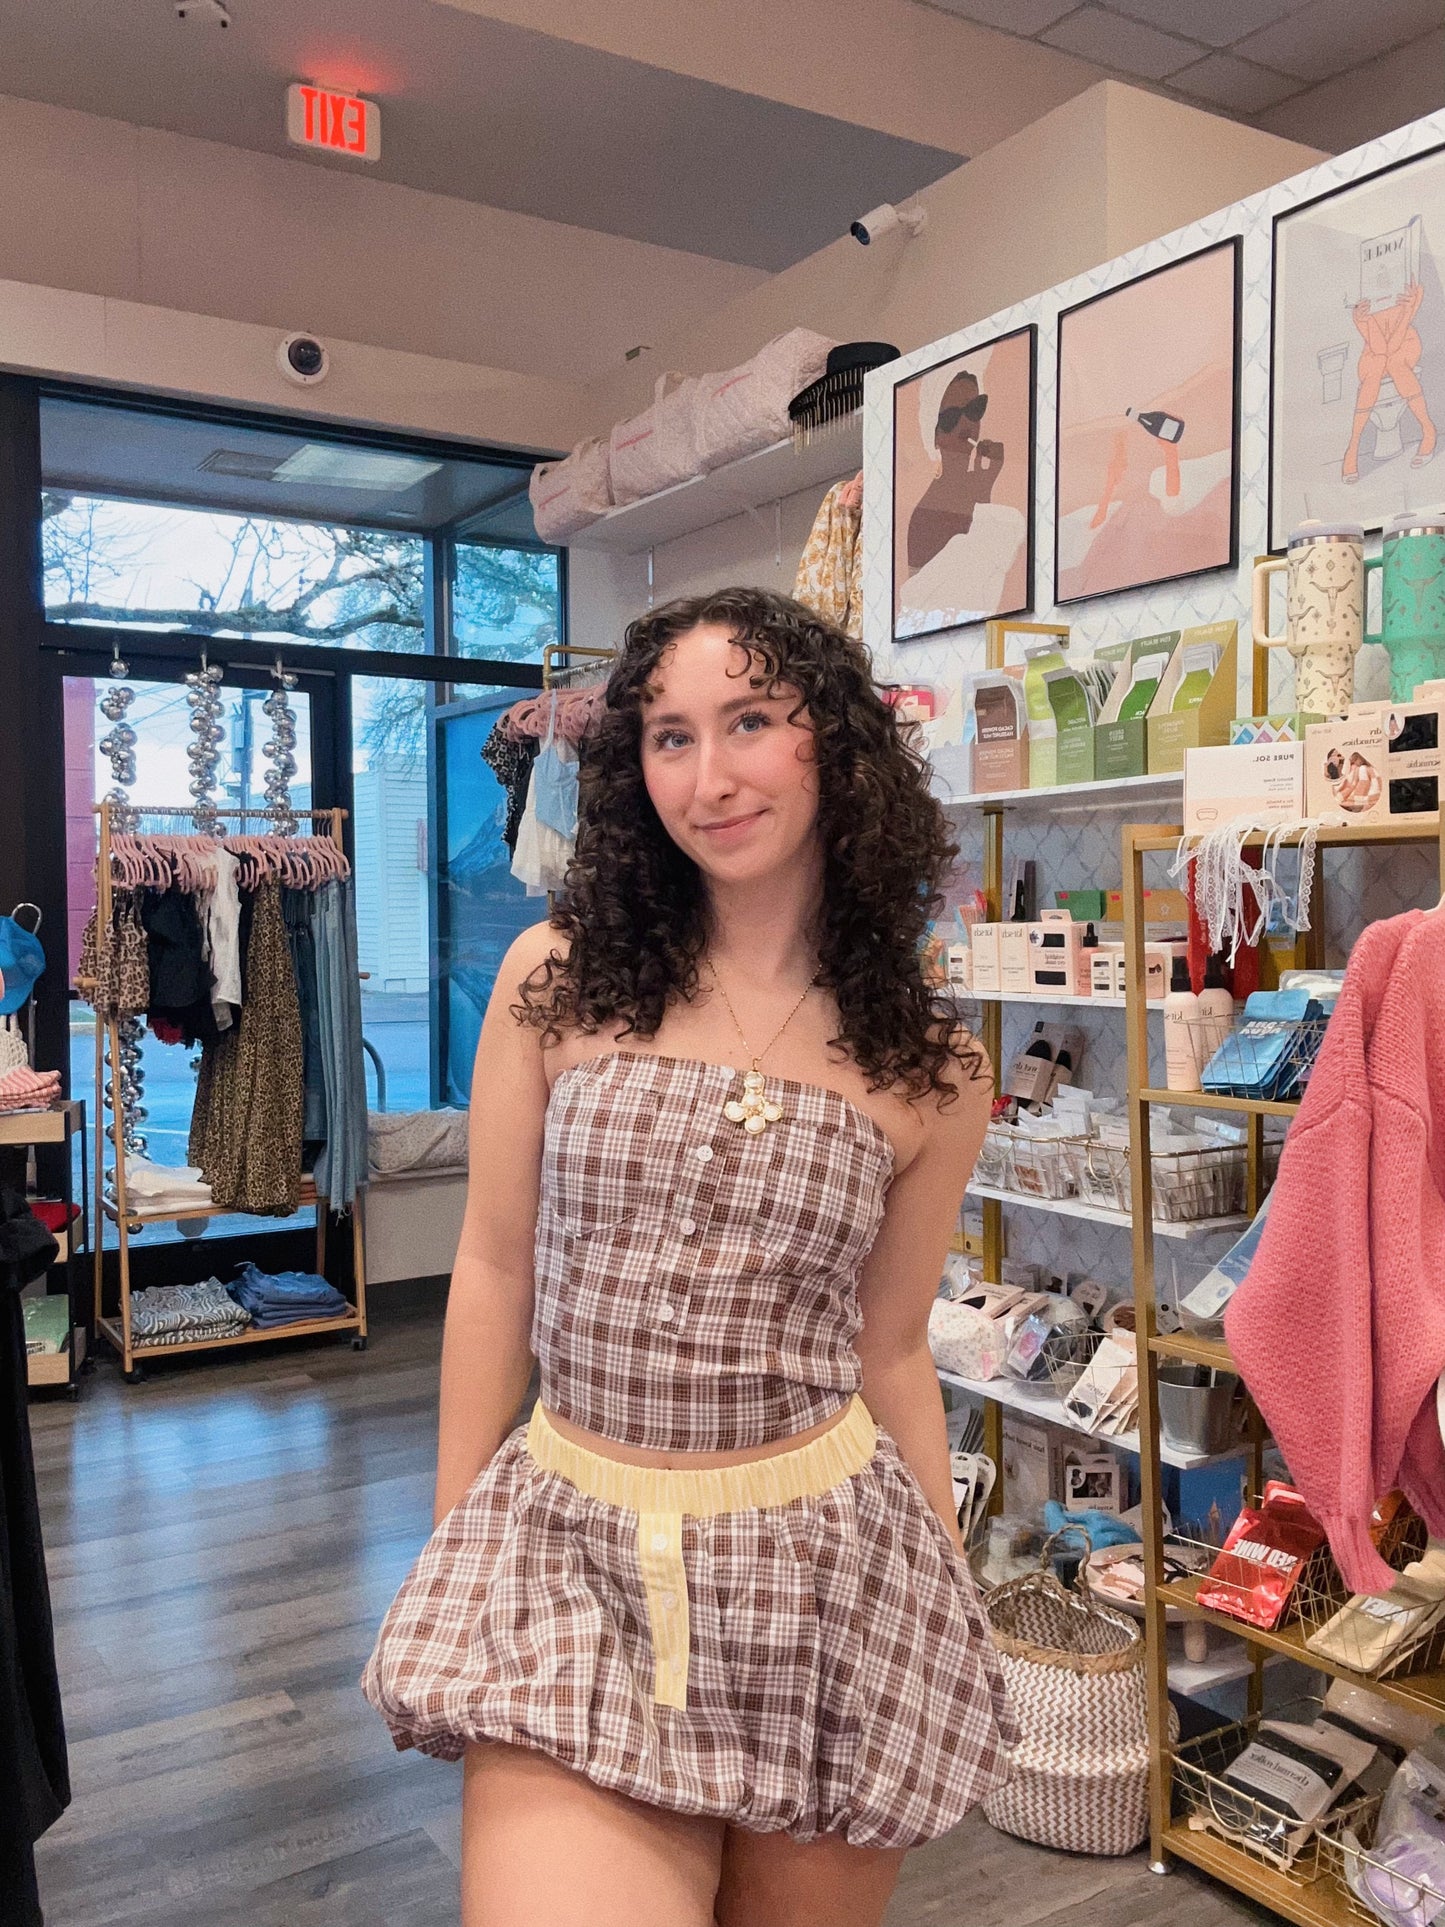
x: 553, y: 652
x: 117, y: 1331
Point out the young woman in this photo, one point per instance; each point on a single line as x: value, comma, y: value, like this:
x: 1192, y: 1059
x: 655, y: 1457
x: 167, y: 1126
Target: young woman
x: 702, y: 1629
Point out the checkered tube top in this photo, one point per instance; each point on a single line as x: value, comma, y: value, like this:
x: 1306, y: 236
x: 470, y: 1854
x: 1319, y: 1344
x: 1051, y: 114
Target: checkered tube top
x: 696, y: 1284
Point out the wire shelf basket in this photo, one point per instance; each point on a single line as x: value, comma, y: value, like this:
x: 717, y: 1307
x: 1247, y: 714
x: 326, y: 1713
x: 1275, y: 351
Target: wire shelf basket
x: 1291, y: 1848
x: 1378, y: 1635
x: 1348, y: 1858
x: 1188, y: 1185
x: 1262, y: 1058
x: 1067, y: 1355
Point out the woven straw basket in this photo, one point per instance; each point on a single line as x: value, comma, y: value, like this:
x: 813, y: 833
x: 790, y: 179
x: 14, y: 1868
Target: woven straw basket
x: 1075, y: 1673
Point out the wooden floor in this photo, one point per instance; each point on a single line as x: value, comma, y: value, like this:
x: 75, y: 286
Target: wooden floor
x: 223, y: 1539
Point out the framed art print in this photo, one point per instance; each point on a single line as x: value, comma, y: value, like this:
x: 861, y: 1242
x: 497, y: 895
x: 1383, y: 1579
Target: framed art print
x: 1357, y: 374
x: 1148, y: 429
x: 963, y: 488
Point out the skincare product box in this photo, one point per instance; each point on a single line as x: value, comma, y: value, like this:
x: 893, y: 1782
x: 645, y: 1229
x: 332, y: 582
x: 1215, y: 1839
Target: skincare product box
x: 948, y: 741
x: 1160, y: 907
x: 1265, y: 781
x: 1072, y: 707
x: 1013, y: 959
x: 1196, y: 699
x: 1041, y: 659
x: 1158, y: 964
x: 959, y: 960
x: 1057, y: 956
x: 1000, y: 753
x: 1121, y: 735
x: 1288, y: 728
x: 1377, y: 764
x: 1106, y: 969
x: 985, y: 958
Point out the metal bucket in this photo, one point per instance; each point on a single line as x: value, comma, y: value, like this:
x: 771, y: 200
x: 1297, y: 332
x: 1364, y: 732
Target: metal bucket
x: 1198, y: 1409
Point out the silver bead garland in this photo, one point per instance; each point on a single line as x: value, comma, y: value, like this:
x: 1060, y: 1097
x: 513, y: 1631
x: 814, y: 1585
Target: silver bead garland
x: 204, y: 702
x: 279, y: 750
x: 119, y: 746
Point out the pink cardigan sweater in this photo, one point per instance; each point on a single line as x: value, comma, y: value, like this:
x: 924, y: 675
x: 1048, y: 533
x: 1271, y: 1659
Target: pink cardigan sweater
x: 1339, y: 1328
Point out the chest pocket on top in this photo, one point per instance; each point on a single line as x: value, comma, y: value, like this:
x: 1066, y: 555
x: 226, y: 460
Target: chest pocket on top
x: 821, y: 1201
x: 594, y: 1158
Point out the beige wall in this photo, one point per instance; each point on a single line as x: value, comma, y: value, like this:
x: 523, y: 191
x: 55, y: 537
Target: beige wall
x: 1099, y: 175
x: 1104, y: 172
x: 101, y: 207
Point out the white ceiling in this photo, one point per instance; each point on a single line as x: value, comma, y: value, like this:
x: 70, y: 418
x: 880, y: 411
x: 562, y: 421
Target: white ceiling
x: 1241, y: 56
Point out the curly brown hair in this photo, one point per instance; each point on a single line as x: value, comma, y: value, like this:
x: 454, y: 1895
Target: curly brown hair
x: 635, y: 907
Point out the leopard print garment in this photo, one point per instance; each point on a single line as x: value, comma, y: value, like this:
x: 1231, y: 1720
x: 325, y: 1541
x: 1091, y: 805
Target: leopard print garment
x: 247, y: 1121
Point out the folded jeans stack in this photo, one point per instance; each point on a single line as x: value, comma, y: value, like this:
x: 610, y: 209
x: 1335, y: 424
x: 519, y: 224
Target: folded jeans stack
x: 184, y: 1314
x: 286, y: 1297
x: 23, y: 1089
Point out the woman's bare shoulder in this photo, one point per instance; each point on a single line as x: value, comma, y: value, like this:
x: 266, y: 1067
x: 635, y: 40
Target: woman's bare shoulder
x: 538, y: 944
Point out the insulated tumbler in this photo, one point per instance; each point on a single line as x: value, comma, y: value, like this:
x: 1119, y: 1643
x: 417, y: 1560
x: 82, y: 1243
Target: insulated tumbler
x: 1324, y: 611
x: 1412, y: 600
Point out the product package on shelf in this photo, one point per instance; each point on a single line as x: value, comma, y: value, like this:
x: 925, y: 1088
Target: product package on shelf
x: 1379, y: 763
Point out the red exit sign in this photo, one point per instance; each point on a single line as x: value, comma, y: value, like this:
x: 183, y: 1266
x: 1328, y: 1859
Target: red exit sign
x: 338, y: 123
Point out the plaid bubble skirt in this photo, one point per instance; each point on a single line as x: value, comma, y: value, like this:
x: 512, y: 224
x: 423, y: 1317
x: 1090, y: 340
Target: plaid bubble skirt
x: 788, y: 1645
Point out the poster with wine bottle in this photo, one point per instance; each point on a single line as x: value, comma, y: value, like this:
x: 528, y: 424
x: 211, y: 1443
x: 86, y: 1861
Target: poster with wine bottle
x: 963, y: 488
x: 1148, y: 429
x: 1357, y: 373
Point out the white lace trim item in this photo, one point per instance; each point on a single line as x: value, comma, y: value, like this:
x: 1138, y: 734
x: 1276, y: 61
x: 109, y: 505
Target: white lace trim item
x: 1237, y: 902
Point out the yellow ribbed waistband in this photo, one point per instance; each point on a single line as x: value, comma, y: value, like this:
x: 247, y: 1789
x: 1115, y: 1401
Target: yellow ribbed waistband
x: 806, y: 1472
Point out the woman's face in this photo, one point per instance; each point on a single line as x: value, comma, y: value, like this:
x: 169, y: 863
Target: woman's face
x: 733, y: 780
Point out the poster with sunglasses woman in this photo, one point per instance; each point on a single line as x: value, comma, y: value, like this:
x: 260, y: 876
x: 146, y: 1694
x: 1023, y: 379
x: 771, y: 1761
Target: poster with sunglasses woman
x: 963, y: 488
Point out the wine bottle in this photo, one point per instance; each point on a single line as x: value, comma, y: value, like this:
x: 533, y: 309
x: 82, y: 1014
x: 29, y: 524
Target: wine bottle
x: 1164, y: 428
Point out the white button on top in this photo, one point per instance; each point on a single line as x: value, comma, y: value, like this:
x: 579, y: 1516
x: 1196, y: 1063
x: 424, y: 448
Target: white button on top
x: 703, y: 1153
x: 686, y: 1226
x: 665, y: 1314
x: 659, y: 1542
x: 669, y: 1600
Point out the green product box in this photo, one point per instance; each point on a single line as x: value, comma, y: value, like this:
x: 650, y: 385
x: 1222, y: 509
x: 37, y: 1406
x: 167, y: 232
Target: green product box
x: 1073, y: 740
x: 1039, y: 662
x: 1271, y: 729
x: 1084, y: 906
x: 1206, y: 723
x: 1121, y: 740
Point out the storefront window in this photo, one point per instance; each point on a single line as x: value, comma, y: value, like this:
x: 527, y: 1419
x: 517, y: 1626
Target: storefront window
x: 112, y: 562
x: 506, y: 602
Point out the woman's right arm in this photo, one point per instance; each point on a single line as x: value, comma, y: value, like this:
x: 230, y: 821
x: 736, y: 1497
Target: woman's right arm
x: 486, y: 1350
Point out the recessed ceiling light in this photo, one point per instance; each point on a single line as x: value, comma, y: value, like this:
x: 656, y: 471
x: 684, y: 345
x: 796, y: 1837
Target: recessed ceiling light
x: 339, y: 466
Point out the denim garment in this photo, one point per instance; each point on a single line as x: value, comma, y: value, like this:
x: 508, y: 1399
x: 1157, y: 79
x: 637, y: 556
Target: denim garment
x: 285, y: 1297
x: 341, y: 1167
x: 554, y: 783
x: 296, y: 909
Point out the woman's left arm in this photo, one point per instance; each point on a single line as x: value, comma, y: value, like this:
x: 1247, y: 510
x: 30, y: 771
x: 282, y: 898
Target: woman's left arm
x: 900, y: 1282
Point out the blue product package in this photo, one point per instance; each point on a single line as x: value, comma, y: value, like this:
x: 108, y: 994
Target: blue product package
x: 1268, y: 1055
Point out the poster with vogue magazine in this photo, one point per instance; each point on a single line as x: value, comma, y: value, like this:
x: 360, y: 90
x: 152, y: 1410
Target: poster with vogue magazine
x: 963, y: 488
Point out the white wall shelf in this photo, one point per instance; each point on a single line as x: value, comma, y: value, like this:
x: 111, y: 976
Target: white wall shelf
x: 1071, y: 798
x: 962, y: 996
x: 1043, y: 1403
x: 1101, y: 1214
x: 753, y: 483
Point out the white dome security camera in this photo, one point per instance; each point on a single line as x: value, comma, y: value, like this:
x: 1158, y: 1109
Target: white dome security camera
x: 303, y: 359
x: 883, y: 220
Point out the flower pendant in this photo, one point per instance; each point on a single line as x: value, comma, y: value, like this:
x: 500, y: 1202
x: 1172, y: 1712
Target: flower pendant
x: 754, y: 1111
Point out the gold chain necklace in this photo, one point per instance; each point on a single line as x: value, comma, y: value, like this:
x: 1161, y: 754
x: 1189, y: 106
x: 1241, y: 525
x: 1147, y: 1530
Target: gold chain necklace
x: 755, y: 1112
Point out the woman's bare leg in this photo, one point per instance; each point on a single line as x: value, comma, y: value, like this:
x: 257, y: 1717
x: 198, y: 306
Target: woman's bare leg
x: 543, y: 1847
x: 769, y: 1880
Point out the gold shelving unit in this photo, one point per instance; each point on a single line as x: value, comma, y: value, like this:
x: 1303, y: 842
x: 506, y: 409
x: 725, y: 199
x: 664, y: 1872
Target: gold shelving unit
x: 1320, y: 1903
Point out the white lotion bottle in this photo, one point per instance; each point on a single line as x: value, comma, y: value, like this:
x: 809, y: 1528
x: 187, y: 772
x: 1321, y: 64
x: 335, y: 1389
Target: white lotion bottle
x: 1181, y: 1025
x: 1216, y: 1013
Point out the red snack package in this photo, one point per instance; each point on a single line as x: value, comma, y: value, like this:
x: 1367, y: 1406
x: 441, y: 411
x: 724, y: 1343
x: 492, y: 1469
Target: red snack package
x: 1262, y: 1557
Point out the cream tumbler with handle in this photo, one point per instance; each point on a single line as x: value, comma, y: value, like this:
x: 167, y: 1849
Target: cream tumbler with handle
x: 1324, y: 612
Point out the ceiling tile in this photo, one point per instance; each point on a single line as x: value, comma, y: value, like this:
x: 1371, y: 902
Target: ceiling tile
x: 1327, y: 37
x: 1218, y: 24
x: 1127, y: 46
x: 1236, y: 84
x: 1012, y: 16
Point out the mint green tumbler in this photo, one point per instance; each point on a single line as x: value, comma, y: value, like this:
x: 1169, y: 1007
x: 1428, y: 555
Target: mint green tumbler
x: 1412, y: 600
